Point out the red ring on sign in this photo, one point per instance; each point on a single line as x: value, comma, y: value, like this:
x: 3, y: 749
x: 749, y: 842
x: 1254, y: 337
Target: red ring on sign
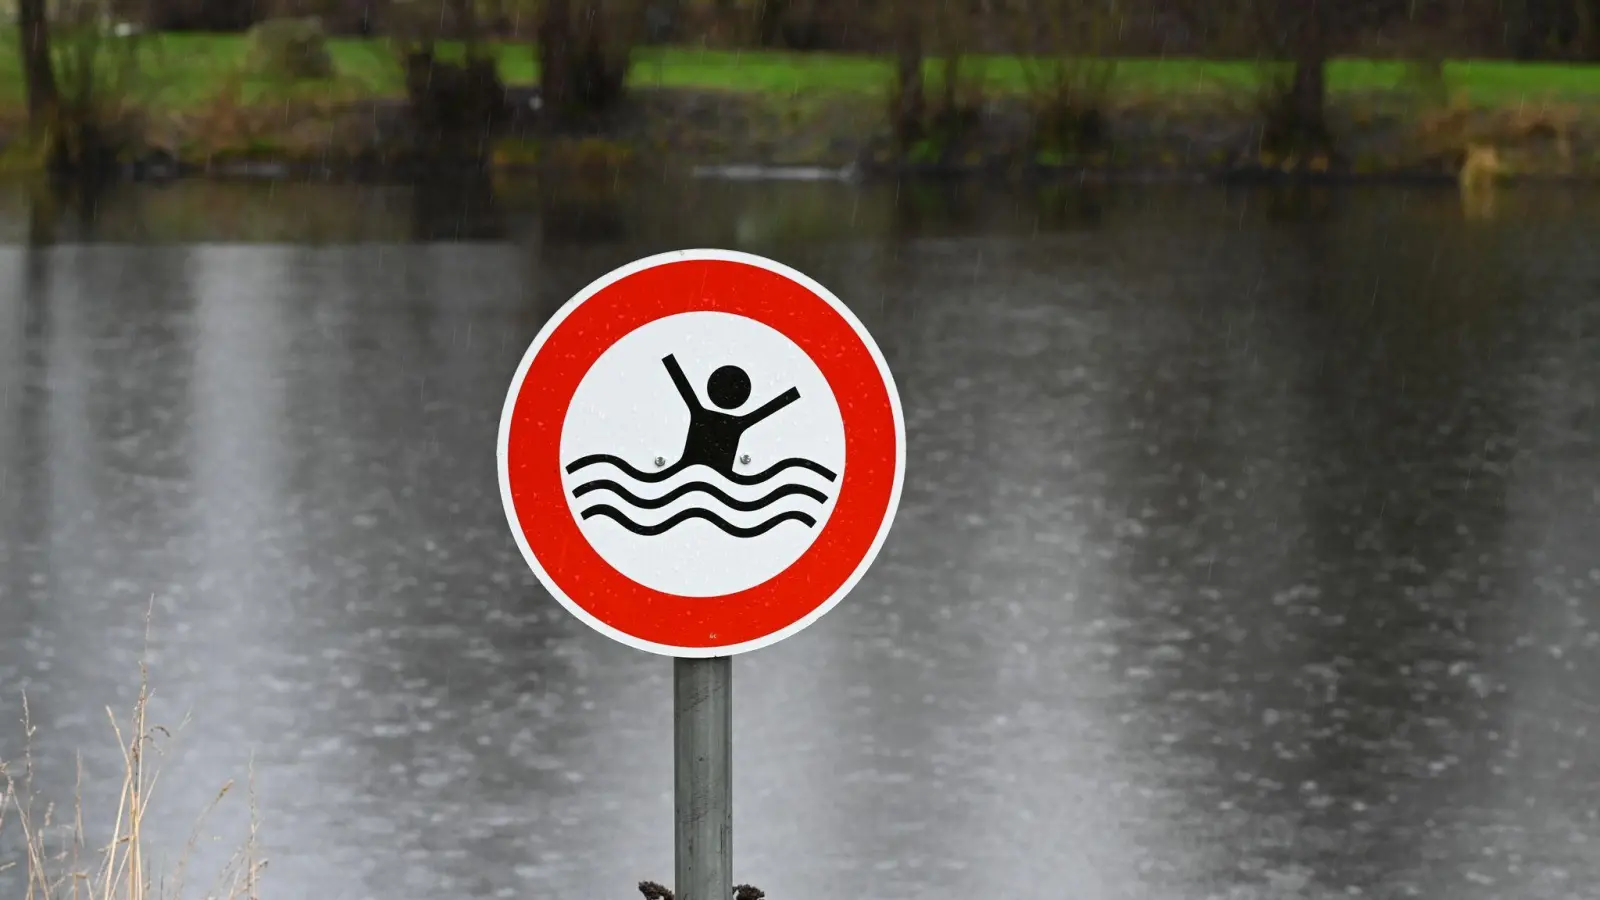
x: 533, y: 465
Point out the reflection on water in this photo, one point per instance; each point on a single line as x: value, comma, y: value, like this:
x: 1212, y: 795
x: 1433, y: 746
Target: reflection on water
x: 1246, y: 548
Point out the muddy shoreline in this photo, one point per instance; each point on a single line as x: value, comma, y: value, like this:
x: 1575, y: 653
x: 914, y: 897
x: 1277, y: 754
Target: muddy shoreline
x: 738, y: 135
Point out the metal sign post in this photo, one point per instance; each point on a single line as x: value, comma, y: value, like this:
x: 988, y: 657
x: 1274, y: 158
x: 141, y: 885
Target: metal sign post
x: 702, y: 725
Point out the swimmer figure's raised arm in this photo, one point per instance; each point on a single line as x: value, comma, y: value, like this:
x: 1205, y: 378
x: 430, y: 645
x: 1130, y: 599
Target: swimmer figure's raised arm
x: 771, y: 406
x: 682, y: 383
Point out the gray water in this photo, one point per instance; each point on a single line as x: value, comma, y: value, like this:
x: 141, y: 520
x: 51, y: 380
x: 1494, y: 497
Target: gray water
x: 1248, y: 546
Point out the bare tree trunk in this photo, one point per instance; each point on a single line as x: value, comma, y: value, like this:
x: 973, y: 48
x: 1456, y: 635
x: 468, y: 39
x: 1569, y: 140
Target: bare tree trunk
x: 908, y: 96
x: 1587, y: 40
x: 555, y: 45
x: 38, y: 72
x: 465, y: 19
x: 768, y: 25
x: 1308, y: 93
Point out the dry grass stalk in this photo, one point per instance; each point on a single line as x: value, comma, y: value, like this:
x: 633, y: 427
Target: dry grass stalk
x: 64, y: 871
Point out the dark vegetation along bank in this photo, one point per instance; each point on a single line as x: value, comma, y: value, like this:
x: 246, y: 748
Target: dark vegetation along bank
x: 1468, y: 89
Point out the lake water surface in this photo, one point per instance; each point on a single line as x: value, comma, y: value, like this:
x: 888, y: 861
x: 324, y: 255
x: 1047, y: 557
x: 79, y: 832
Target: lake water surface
x: 1250, y: 545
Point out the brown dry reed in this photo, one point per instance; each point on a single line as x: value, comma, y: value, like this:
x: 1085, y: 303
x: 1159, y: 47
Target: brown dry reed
x: 59, y: 862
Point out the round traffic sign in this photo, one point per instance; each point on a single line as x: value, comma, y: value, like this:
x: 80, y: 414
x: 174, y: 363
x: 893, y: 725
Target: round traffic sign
x: 701, y: 453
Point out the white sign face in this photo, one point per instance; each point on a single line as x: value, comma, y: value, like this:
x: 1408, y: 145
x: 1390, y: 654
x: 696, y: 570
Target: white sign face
x: 702, y: 454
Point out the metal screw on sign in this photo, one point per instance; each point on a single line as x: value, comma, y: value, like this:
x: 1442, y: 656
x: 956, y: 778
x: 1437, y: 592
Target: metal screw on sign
x: 768, y: 364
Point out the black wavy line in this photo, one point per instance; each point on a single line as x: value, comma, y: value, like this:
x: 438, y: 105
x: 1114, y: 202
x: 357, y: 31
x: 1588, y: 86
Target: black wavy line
x: 595, y: 459
x: 777, y: 494
x: 612, y: 513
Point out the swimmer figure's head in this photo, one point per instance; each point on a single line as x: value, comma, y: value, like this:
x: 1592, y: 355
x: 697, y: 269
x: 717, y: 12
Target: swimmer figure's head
x: 728, y: 387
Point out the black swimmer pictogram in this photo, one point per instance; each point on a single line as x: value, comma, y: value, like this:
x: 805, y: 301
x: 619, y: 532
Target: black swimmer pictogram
x: 712, y: 442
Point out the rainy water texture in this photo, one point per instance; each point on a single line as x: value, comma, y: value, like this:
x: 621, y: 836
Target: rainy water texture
x: 1247, y: 548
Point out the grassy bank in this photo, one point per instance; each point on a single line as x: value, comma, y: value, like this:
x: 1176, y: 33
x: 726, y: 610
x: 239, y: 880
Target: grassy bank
x: 202, y: 103
x: 181, y: 70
